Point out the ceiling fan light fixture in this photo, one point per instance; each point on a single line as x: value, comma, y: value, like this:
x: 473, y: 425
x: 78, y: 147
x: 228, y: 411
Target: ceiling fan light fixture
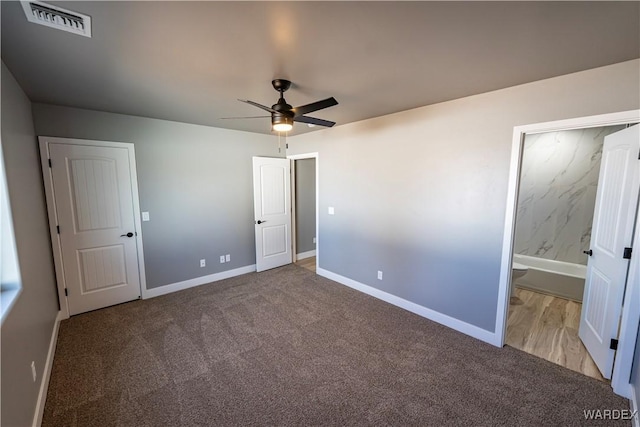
x: 281, y: 123
x: 282, y: 127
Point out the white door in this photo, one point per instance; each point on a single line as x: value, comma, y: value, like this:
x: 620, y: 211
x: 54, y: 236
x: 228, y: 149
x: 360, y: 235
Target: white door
x: 614, y: 216
x: 94, y: 206
x: 272, y: 210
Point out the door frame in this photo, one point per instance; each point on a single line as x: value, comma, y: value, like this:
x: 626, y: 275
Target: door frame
x: 294, y: 214
x: 44, y: 142
x: 630, y: 314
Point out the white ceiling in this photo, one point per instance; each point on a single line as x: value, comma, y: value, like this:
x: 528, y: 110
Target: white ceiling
x: 190, y: 61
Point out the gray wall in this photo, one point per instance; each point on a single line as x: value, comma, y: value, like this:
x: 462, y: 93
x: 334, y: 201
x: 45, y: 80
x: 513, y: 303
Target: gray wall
x: 421, y: 194
x: 26, y: 332
x: 305, y: 204
x: 195, y: 182
x: 558, y: 185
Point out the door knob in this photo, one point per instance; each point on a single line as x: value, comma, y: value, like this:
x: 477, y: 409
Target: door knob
x: 589, y: 252
x: 260, y: 222
x: 129, y: 234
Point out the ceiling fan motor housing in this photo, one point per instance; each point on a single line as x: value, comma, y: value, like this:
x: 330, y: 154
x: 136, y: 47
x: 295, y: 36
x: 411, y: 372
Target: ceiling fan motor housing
x: 283, y: 108
x: 280, y: 118
x: 284, y: 113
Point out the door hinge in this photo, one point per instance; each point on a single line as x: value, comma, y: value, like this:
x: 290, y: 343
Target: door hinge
x: 627, y: 253
x: 49, y: 162
x: 286, y: 145
x: 66, y: 293
x: 58, y: 228
x: 614, y: 344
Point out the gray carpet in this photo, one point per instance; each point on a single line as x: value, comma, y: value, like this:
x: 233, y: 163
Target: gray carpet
x: 287, y: 347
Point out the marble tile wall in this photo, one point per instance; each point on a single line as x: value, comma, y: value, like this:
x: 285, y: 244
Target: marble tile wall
x: 558, y: 183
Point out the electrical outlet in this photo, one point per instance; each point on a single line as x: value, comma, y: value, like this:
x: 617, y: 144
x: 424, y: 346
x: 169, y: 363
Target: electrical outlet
x: 227, y: 257
x: 379, y: 275
x: 203, y: 263
x: 145, y: 216
x: 222, y: 261
x: 33, y: 370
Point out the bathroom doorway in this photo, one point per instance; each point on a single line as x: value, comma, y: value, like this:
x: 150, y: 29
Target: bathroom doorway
x: 547, y: 235
x: 556, y: 200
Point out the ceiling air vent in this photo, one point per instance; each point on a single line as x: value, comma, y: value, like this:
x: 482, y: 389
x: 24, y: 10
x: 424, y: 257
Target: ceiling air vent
x: 56, y: 17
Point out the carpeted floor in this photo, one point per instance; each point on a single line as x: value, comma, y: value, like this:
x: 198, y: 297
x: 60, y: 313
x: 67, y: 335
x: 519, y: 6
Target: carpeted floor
x: 287, y: 347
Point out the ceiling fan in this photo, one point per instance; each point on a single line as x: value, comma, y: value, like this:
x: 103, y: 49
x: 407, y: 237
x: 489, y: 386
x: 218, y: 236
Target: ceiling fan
x: 283, y: 115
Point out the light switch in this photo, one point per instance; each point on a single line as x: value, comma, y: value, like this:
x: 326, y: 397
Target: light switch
x: 145, y: 216
x: 331, y: 210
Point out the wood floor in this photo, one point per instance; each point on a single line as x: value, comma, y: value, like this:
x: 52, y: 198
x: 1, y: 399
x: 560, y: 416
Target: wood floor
x: 547, y: 327
x: 308, y: 263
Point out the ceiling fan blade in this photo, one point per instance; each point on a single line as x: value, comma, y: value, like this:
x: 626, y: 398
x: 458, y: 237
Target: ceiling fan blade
x: 313, y: 121
x: 246, y: 117
x: 255, y: 104
x: 314, y: 106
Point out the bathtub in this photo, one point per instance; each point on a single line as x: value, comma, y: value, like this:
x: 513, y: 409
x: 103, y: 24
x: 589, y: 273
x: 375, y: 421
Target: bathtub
x: 558, y: 278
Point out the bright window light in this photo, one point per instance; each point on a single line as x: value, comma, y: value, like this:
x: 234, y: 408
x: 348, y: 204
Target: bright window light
x: 10, y: 284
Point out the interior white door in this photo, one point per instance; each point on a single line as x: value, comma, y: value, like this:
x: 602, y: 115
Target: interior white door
x: 94, y: 205
x: 612, y: 232
x: 272, y: 210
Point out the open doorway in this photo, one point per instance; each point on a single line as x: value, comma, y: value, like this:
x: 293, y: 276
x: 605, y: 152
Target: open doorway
x: 612, y: 325
x: 556, y: 201
x: 304, y: 202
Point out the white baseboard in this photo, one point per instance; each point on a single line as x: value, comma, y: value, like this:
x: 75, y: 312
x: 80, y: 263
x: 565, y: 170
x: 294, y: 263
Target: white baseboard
x: 46, y: 372
x: 179, y: 286
x: 443, y: 319
x: 633, y: 403
x: 303, y: 255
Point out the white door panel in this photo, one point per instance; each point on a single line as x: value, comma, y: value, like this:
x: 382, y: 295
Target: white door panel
x: 272, y: 210
x: 274, y: 240
x: 102, y: 268
x: 94, y: 205
x: 614, y: 217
